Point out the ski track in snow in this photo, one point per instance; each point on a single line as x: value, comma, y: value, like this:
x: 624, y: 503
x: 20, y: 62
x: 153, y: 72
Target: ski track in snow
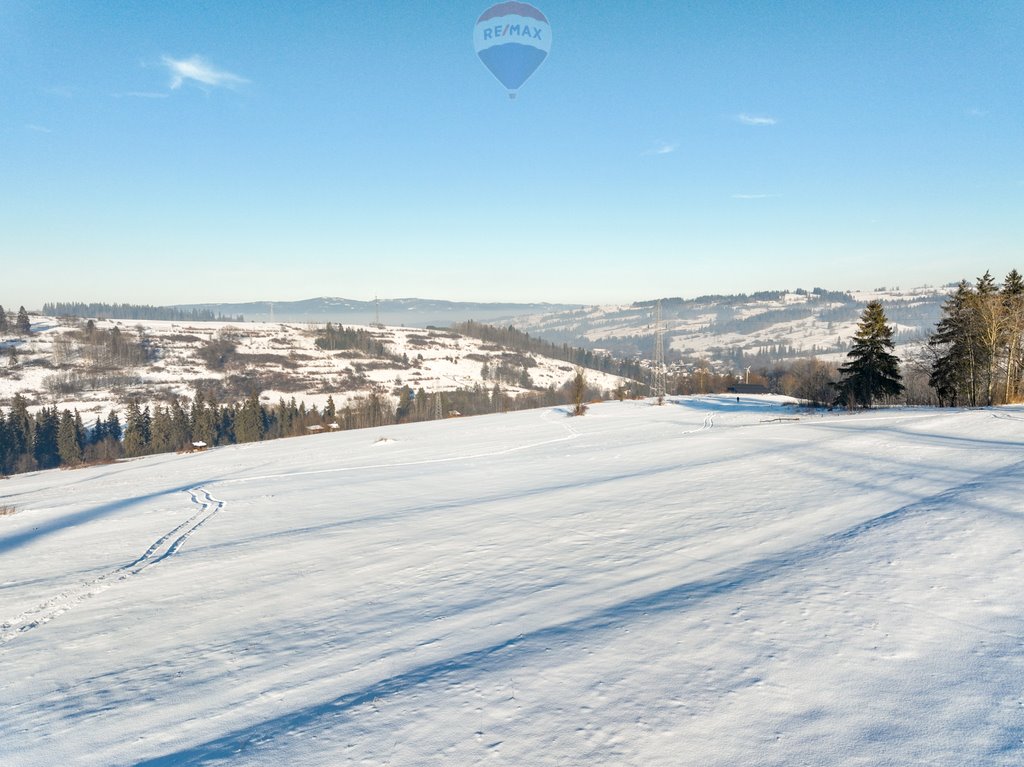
x: 165, y: 546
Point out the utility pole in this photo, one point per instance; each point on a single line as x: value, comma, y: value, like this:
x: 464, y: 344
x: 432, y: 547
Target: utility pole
x: 658, y: 389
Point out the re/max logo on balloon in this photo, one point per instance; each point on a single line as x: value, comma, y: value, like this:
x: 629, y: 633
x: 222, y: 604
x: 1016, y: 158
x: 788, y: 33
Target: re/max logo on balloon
x: 512, y: 39
x: 512, y: 30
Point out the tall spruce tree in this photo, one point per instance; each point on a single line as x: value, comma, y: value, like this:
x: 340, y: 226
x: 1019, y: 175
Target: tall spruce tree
x: 249, y: 426
x: 872, y: 371
x: 4, y: 327
x: 136, y: 433
x: 114, y: 430
x: 23, y: 324
x: 44, y: 447
x: 68, y: 449
x: 955, y: 371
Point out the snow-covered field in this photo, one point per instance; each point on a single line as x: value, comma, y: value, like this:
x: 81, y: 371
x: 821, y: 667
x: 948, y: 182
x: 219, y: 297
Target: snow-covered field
x: 704, y: 583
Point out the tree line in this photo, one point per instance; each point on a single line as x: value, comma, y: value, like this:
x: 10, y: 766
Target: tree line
x: 976, y: 350
x: 102, y: 311
x: 52, y: 438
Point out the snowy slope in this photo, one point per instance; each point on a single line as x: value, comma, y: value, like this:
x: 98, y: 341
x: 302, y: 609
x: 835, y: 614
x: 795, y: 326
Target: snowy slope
x: 284, y: 355
x: 704, y: 583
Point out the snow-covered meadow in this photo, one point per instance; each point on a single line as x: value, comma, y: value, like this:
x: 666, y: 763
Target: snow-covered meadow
x: 705, y: 583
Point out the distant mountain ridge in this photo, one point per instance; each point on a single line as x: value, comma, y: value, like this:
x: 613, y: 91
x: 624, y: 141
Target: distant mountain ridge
x: 730, y: 330
x: 405, y: 312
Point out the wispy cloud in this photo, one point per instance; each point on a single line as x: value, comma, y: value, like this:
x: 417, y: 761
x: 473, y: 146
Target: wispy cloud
x: 37, y: 128
x: 756, y: 119
x: 140, y: 95
x: 976, y: 112
x: 197, y: 69
x: 662, y: 147
x: 753, y: 196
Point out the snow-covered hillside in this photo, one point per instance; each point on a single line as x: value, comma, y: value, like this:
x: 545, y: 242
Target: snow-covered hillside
x: 771, y: 325
x: 58, y: 365
x: 712, y: 582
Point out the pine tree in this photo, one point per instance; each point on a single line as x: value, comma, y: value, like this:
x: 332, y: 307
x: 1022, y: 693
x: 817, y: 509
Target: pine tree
x: 114, y: 426
x: 872, y: 371
x: 162, y: 438
x: 44, y: 448
x: 81, y: 437
x: 21, y: 428
x: 181, y: 427
x: 4, y: 327
x: 67, y: 440
x: 954, y: 373
x: 23, y: 324
x: 136, y: 440
x: 99, y: 431
x: 203, y: 421
x: 249, y: 423
x: 6, y: 446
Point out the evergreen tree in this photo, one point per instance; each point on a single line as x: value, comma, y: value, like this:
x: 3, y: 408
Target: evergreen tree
x: 249, y: 423
x: 67, y: 440
x: 21, y: 428
x: 181, y: 427
x: 4, y: 327
x: 99, y: 431
x: 23, y: 324
x: 954, y: 373
x: 872, y: 371
x: 162, y: 438
x: 44, y: 448
x: 114, y: 426
x: 203, y: 421
x: 136, y: 439
x: 81, y: 437
x: 6, y: 447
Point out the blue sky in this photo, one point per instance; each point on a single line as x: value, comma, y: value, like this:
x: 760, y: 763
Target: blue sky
x: 229, y: 151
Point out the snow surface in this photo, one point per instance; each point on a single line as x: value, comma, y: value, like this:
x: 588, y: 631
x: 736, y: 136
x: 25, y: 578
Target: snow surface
x: 705, y: 583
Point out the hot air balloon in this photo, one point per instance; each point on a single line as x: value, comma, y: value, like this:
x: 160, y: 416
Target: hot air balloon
x: 512, y: 39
